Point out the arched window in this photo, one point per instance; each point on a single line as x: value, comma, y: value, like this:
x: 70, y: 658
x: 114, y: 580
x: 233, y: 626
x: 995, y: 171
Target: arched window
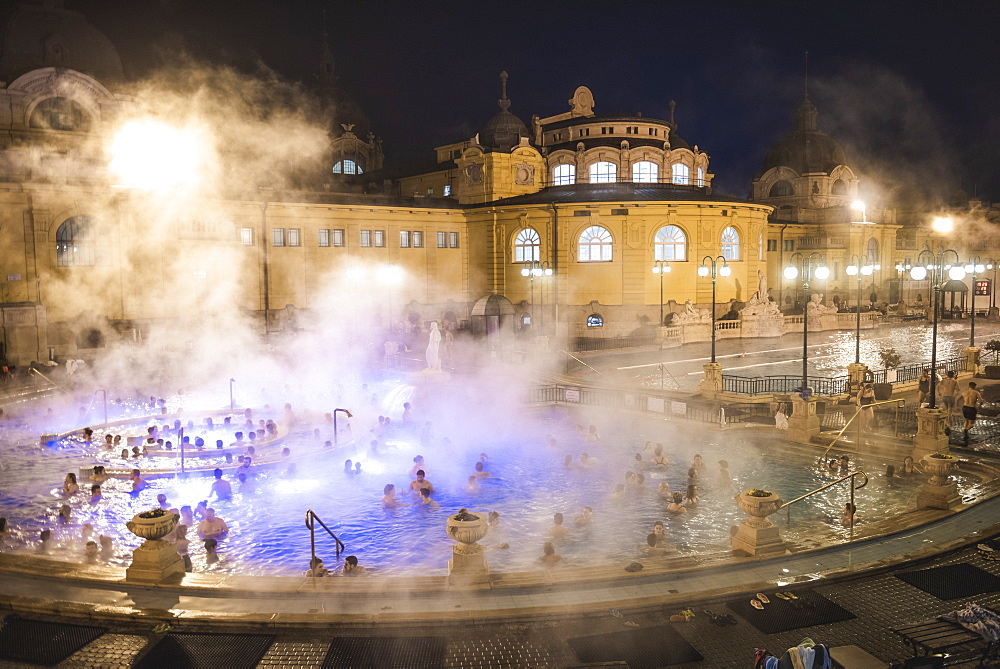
x: 347, y: 166
x: 839, y: 187
x: 670, y: 244
x: 701, y: 176
x: 595, y: 245
x: 564, y: 175
x: 781, y: 189
x: 59, y: 114
x: 645, y: 172
x: 526, y: 245
x: 872, y: 251
x: 730, y: 244
x: 760, y: 246
x: 681, y: 173
x: 603, y: 173
x: 74, y: 242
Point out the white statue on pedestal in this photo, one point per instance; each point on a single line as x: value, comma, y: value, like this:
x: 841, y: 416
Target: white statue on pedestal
x: 691, y: 315
x: 433, y: 354
x: 760, y: 303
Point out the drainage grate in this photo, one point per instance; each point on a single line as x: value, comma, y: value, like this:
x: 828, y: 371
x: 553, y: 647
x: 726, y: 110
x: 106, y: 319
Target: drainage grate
x: 41, y: 642
x: 411, y: 652
x: 207, y: 651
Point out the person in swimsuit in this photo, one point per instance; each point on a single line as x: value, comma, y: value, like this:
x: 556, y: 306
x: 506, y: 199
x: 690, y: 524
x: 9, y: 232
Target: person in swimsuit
x: 866, y: 398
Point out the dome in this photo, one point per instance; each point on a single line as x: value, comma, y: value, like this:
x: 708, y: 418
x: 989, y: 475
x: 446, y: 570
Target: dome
x: 805, y: 149
x: 34, y: 35
x: 504, y: 131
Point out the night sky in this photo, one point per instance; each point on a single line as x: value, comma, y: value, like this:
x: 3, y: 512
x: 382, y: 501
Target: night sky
x: 909, y: 88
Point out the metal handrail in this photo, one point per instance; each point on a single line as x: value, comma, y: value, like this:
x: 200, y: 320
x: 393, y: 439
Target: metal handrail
x: 311, y: 519
x: 857, y: 413
x: 581, y: 362
x: 852, y: 475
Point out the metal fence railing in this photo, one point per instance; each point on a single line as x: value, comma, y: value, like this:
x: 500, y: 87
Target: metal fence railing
x: 609, y: 343
x: 702, y: 411
x: 764, y: 385
x: 911, y: 372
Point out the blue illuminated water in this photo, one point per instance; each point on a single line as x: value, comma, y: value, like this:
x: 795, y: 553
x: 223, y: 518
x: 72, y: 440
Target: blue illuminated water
x: 268, y: 535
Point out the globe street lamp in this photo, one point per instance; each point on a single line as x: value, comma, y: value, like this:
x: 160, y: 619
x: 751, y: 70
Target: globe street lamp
x: 661, y: 267
x: 531, y: 269
x: 860, y: 266
x: 808, y: 266
x: 931, y: 265
x: 715, y: 269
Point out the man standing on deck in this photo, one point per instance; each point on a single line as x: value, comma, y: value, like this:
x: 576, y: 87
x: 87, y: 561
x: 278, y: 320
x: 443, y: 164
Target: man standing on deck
x: 971, y: 399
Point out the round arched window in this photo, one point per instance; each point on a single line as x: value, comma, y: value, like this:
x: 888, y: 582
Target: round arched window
x: 781, y: 189
x: 839, y: 187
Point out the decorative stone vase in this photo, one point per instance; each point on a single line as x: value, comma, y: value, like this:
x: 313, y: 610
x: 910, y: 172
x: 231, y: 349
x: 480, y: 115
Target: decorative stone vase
x: 757, y: 535
x: 939, y: 465
x: 468, y: 564
x: 939, y: 492
x: 154, y: 527
x: 467, y: 528
x: 155, y: 561
x: 759, y: 507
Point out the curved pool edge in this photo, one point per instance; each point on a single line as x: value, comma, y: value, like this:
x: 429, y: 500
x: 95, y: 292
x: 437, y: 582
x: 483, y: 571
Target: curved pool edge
x: 100, y: 592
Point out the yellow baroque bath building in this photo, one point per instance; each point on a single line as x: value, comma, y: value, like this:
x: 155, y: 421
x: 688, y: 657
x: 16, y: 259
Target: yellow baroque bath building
x: 551, y: 227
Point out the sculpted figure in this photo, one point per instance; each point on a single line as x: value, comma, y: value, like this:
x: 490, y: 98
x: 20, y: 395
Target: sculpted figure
x: 433, y: 354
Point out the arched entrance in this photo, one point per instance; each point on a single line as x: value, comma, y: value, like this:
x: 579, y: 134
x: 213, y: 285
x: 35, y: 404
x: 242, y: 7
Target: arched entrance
x: 493, y: 318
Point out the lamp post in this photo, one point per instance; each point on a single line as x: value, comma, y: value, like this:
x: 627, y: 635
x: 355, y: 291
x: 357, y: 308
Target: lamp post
x: 860, y: 266
x: 714, y: 269
x: 662, y: 267
x: 232, y: 405
x: 931, y: 265
x: 860, y: 206
x: 805, y: 267
x: 974, y: 267
x: 347, y: 413
x: 531, y: 269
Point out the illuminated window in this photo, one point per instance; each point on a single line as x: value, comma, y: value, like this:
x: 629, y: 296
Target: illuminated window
x: 447, y: 191
x: 246, y: 236
x: 781, y: 189
x: 772, y: 245
x: 442, y: 240
x: 872, y: 251
x: 701, y: 176
x: 453, y: 240
x: 564, y: 175
x: 595, y: 321
x: 418, y: 239
x: 338, y: 237
x: 278, y: 237
x: 839, y: 187
x: 603, y: 173
x: 730, y: 244
x: 347, y: 166
x: 378, y: 237
x: 681, y: 173
x: 760, y: 246
x: 366, y: 238
x: 526, y: 245
x: 324, y: 237
x: 294, y: 236
x: 404, y: 239
x: 594, y: 245
x: 645, y: 172
x: 670, y: 244
x: 74, y: 245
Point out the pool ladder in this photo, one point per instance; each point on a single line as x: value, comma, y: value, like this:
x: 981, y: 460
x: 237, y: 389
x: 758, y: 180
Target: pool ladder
x: 311, y: 520
x: 854, y: 486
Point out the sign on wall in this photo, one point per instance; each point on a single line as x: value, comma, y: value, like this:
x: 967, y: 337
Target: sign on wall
x: 982, y: 287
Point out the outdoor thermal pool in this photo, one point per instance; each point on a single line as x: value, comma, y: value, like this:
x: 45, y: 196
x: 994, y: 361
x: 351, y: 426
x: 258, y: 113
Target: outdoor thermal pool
x: 532, y: 482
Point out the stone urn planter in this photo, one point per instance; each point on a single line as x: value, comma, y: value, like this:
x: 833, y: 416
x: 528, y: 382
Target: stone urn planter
x: 468, y: 564
x: 940, y: 492
x: 757, y: 535
x: 152, y: 525
x: 155, y: 561
x: 939, y: 465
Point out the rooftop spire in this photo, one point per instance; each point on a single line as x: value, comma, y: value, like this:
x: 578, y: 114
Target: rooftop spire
x: 806, y: 60
x: 503, y: 101
x: 326, y: 76
x: 673, y: 106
